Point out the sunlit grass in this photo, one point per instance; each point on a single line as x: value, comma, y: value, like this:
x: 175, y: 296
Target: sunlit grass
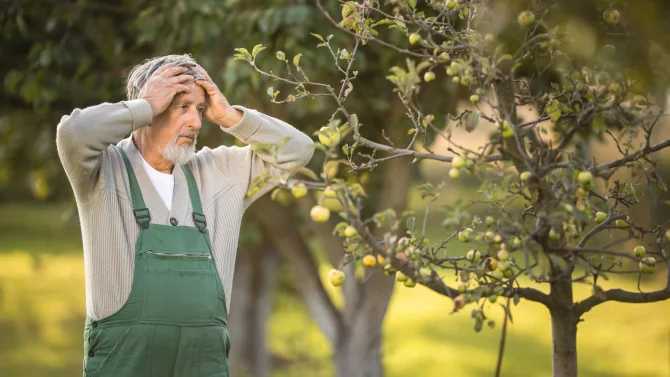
x: 42, y: 312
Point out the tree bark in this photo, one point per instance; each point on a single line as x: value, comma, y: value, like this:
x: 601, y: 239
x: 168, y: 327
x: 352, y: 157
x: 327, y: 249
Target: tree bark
x: 564, y: 329
x: 251, y: 305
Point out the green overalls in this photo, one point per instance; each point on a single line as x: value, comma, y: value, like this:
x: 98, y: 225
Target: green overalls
x: 174, y: 321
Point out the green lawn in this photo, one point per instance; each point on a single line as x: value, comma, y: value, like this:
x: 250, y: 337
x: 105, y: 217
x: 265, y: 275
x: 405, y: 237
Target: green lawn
x: 42, y: 312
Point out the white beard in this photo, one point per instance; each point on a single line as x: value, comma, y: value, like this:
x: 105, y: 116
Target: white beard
x: 178, y: 154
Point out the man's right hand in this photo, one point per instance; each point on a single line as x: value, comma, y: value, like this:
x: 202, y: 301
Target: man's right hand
x: 163, y: 85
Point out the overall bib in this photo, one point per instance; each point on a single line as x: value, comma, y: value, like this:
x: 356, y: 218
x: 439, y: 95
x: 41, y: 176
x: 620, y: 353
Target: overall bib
x: 174, y: 321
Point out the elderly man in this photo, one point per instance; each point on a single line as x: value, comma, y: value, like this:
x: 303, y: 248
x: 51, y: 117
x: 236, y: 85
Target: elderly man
x: 160, y: 222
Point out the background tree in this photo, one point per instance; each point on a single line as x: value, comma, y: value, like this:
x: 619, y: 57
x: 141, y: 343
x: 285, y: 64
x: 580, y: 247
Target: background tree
x: 555, y: 216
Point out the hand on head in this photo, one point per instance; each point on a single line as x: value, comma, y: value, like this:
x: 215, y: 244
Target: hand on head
x: 161, y: 87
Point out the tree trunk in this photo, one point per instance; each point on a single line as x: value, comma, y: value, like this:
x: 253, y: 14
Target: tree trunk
x: 564, y: 332
x: 564, y: 329
x: 358, y: 356
x: 251, y: 304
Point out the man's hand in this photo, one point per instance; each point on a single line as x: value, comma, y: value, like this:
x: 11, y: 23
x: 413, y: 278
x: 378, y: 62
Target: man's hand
x: 166, y: 82
x: 218, y: 110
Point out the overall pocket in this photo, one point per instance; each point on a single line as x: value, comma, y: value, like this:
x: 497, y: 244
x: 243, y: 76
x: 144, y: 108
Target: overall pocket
x: 100, y: 346
x: 179, y: 287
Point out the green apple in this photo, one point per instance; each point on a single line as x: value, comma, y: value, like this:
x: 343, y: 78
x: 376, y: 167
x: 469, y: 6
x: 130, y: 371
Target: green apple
x: 639, y: 251
x: 507, y: 130
x: 525, y: 176
x: 473, y: 256
x: 600, y: 217
x: 490, y: 220
x: 516, y: 242
x: 553, y: 235
x: 503, y: 255
x: 493, y: 299
x: 497, y: 238
x: 329, y: 136
x: 621, y: 223
x: 451, y: 4
x: 491, y: 264
x: 319, y: 214
x: 525, y: 18
x: 299, y: 190
x: 497, y: 274
x: 336, y: 277
x: 609, y: 49
x: 400, y: 277
x: 459, y: 162
x: 429, y: 76
x: 585, y: 178
x: 474, y: 98
x: 648, y: 265
x: 414, y: 38
x: 454, y: 173
x: 462, y: 287
x: 504, y: 266
x: 508, y: 273
x: 409, y: 283
x: 328, y: 192
x: 464, y: 235
x: 611, y: 16
x: 350, y: 231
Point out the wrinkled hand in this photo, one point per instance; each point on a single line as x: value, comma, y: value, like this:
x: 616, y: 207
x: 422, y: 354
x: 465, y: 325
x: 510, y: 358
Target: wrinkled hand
x: 166, y: 82
x: 218, y: 110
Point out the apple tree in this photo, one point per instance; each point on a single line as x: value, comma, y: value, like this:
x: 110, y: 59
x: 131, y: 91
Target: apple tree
x: 554, y: 215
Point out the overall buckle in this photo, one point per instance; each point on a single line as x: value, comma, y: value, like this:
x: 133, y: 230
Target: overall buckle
x: 200, y: 221
x: 142, y: 217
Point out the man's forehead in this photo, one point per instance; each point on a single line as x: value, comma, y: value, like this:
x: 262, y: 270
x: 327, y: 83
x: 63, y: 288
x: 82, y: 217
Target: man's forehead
x: 197, y: 94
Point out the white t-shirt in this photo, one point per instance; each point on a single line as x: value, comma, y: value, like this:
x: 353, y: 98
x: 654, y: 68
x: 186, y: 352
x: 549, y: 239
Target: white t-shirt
x: 164, y: 183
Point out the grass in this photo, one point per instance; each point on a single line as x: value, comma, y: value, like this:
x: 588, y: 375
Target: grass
x: 42, y: 313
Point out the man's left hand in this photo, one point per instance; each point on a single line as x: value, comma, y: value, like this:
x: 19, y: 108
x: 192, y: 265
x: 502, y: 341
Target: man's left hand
x: 218, y: 110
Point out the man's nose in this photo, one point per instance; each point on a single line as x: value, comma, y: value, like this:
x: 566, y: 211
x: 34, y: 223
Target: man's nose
x: 195, y: 119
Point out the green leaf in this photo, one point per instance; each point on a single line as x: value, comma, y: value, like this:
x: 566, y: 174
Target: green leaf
x: 258, y: 48
x: 508, y: 312
x: 504, y: 57
x: 412, y: 3
x: 296, y: 60
x: 318, y: 36
x: 478, y: 324
x: 472, y: 120
x: 270, y: 91
x: 353, y: 119
x: 280, y: 55
x: 306, y: 172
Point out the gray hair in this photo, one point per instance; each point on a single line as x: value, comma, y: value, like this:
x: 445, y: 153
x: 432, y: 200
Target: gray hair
x: 140, y: 73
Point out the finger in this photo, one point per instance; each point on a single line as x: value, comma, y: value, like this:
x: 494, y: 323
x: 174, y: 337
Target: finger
x: 181, y: 88
x: 209, y: 87
x: 163, y: 68
x: 174, y: 71
x: 181, y: 79
x: 199, y: 68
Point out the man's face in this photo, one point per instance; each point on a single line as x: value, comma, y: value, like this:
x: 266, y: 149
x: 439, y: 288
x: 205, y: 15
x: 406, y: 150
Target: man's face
x: 176, y: 129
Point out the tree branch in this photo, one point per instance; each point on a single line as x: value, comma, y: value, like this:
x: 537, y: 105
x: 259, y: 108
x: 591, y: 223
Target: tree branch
x: 621, y: 295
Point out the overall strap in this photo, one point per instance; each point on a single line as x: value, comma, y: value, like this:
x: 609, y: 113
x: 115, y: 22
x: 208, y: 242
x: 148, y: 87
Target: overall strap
x: 198, y: 216
x: 140, y: 210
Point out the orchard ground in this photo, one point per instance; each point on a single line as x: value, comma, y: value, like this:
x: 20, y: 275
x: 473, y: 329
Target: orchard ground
x: 42, y: 313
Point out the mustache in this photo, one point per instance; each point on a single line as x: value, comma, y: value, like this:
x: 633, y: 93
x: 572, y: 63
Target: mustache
x: 190, y: 133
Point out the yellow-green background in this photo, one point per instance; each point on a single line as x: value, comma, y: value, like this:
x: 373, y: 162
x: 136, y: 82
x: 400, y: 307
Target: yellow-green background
x: 42, y: 308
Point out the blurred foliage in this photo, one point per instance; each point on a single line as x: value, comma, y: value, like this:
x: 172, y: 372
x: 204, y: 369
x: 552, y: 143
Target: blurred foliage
x: 59, y: 55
